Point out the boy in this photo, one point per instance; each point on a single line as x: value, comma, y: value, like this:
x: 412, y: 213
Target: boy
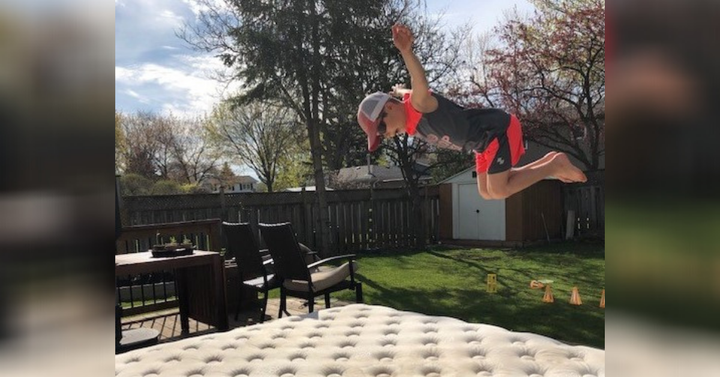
x: 493, y: 134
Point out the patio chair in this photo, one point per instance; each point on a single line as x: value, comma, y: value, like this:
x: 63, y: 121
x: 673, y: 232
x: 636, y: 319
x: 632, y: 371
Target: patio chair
x: 128, y: 340
x: 306, y: 281
x: 132, y: 339
x: 254, y: 271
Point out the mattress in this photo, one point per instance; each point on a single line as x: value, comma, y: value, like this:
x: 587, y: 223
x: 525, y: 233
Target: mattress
x: 364, y: 340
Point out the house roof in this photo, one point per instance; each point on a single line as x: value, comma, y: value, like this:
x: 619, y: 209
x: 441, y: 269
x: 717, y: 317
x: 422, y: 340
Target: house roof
x: 246, y: 179
x: 448, y: 179
x: 380, y: 173
x: 241, y: 179
x: 307, y: 188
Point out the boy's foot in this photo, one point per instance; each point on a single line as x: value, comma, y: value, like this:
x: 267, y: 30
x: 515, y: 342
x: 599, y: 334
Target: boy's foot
x: 566, y: 171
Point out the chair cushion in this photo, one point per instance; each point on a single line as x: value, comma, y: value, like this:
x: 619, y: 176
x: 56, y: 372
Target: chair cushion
x: 258, y: 281
x: 137, y: 338
x: 323, y: 279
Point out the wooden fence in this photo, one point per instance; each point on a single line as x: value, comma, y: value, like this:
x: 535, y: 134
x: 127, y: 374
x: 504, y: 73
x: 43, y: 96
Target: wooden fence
x: 358, y: 219
x: 587, y: 202
x: 204, y: 234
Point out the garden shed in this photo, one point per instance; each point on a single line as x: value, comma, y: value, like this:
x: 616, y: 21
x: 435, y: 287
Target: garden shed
x: 534, y: 214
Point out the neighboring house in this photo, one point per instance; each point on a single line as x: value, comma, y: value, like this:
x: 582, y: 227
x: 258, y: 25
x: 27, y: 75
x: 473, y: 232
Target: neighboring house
x: 307, y: 188
x: 381, y: 176
x: 534, y: 214
x: 243, y: 183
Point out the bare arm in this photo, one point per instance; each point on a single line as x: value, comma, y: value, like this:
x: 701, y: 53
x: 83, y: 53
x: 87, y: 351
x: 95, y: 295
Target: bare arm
x: 420, y: 96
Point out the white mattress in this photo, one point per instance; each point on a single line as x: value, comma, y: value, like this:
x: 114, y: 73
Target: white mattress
x: 364, y: 340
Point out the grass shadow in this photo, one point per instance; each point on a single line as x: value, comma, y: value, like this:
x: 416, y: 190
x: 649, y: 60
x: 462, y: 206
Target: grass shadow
x: 452, y: 283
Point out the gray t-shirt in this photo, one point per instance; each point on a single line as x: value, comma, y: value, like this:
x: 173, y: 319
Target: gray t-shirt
x: 452, y: 126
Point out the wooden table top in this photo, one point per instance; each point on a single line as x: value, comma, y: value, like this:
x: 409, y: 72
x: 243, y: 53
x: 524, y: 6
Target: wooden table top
x: 142, y: 262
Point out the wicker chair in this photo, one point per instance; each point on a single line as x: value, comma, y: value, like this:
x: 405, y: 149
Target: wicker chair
x: 306, y: 281
x: 254, y: 271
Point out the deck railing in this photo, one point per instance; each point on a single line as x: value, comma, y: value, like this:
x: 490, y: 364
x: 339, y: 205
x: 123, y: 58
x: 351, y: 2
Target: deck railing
x: 156, y: 291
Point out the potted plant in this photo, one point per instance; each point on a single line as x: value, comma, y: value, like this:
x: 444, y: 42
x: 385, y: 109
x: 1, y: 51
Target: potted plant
x: 172, y: 248
x: 187, y: 244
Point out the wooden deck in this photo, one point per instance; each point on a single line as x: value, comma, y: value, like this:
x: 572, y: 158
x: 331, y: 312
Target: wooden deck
x: 168, y: 321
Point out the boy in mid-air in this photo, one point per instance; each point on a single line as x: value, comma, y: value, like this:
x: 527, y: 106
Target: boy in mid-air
x: 494, y: 135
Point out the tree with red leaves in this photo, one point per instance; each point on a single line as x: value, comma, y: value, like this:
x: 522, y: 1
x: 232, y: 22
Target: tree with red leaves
x: 550, y: 71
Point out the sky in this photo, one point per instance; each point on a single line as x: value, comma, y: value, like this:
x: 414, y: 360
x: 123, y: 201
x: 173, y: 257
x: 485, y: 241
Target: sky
x: 158, y: 72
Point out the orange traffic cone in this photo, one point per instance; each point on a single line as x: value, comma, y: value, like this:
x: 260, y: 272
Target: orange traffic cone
x: 575, y: 297
x: 602, y: 300
x: 548, y: 294
x: 534, y: 284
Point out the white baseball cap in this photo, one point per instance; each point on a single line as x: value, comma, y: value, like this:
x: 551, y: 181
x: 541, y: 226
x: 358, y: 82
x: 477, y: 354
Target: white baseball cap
x: 369, y: 117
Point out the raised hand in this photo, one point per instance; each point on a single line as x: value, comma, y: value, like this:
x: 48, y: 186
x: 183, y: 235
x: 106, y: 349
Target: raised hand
x: 402, y: 37
x: 398, y: 90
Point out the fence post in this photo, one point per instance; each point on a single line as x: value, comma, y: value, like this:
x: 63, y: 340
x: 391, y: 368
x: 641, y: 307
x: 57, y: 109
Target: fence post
x: 371, y: 218
x: 223, y: 208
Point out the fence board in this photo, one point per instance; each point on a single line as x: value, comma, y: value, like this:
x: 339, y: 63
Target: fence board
x: 364, y: 224
x: 379, y: 224
x: 588, y: 203
x: 359, y: 219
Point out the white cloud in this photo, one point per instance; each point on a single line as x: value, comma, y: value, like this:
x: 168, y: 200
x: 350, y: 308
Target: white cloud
x: 155, y: 70
x: 122, y: 73
x: 170, y: 17
x: 188, y: 90
x: 133, y: 94
x: 200, y: 6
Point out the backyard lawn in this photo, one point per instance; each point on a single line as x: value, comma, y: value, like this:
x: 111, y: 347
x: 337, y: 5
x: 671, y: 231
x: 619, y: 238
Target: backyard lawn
x: 451, y: 282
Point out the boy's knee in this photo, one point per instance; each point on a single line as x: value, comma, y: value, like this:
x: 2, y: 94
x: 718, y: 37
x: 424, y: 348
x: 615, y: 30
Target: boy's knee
x: 483, y: 191
x: 486, y: 195
x: 499, y: 193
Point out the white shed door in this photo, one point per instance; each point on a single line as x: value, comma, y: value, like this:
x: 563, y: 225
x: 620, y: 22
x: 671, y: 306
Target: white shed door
x: 479, y: 219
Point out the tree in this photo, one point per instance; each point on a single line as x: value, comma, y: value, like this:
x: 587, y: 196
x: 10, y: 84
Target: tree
x: 308, y: 54
x: 166, y: 187
x: 550, y: 71
x: 295, y: 167
x: 120, y: 144
x: 191, y: 151
x: 132, y: 184
x: 448, y: 163
x: 140, y: 148
x: 259, y: 135
x: 226, y: 174
x: 163, y: 147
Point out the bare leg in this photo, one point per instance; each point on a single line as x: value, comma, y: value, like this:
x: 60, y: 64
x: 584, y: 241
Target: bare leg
x: 502, y: 185
x: 482, y: 177
x: 543, y: 160
x: 538, y: 162
x: 482, y: 186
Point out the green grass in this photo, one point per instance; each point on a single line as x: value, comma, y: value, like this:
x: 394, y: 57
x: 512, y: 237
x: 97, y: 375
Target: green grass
x: 452, y: 282
x: 137, y: 303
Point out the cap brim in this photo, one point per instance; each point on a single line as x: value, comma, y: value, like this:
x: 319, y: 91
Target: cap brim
x: 370, y: 129
x: 373, y: 142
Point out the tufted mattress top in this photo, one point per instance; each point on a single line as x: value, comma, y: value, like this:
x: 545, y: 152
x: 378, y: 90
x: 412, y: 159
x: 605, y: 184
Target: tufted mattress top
x: 364, y: 340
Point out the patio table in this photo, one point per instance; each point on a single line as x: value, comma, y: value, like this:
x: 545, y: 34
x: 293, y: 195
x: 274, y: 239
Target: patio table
x: 200, y: 283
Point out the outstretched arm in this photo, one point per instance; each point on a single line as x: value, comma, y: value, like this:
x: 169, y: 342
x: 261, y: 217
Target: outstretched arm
x: 420, y: 96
